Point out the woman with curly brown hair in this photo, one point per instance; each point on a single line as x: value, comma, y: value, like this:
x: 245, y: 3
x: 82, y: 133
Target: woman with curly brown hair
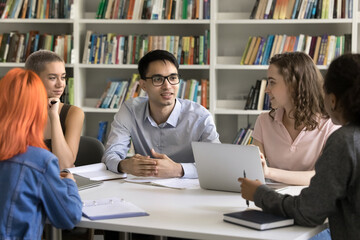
x: 292, y: 135
x: 334, y: 191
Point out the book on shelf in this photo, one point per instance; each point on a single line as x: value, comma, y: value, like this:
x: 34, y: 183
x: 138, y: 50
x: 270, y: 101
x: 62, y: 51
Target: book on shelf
x: 119, y: 90
x: 239, y: 136
x: 260, y: 51
x: 96, y: 171
x: 247, y: 139
x: 194, y: 90
x: 260, y: 9
x: 114, y: 93
x: 261, y: 94
x: 257, y: 219
x: 243, y: 136
x: 254, y: 9
x: 255, y: 50
x: 108, y: 208
x: 268, y: 9
x: 242, y: 61
x: 256, y: 95
x: 317, y: 49
x: 282, y: 11
x: 249, y: 98
x: 256, y: 98
x: 204, y: 92
x: 269, y: 46
x: 101, y: 136
x: 4, y: 42
x: 68, y: 94
x: 322, y: 50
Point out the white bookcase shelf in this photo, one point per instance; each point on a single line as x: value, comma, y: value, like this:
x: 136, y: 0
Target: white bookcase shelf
x: 230, y: 28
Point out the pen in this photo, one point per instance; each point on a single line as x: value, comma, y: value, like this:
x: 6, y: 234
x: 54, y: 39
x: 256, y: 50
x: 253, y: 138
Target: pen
x: 53, y: 102
x: 247, y: 201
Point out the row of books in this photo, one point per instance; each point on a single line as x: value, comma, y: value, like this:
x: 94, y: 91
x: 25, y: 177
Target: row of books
x: 119, y: 90
x: 194, y: 90
x: 153, y: 9
x: 243, y: 136
x: 302, y: 9
x: 16, y: 47
x: 322, y: 49
x: 40, y: 9
x: 257, y: 99
x: 114, y: 48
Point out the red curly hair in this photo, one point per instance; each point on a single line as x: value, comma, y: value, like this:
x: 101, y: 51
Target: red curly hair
x: 23, y: 112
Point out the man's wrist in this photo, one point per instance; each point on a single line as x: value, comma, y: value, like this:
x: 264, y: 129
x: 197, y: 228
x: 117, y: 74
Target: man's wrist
x: 119, y: 168
x: 181, y: 170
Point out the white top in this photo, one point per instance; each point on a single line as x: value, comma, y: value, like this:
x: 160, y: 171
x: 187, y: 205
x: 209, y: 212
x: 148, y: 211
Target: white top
x: 190, y: 213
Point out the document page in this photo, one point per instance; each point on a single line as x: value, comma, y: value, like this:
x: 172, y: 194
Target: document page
x: 97, y: 171
x: 177, y: 183
x: 111, y: 208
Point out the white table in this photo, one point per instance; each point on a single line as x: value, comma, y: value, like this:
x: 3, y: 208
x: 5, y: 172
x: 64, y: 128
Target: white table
x: 190, y: 213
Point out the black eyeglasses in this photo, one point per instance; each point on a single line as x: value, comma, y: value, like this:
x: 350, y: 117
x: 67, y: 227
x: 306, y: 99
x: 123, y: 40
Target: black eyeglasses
x: 158, y: 80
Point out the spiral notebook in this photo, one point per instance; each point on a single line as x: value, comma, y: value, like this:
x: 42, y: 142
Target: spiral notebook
x: 111, y: 208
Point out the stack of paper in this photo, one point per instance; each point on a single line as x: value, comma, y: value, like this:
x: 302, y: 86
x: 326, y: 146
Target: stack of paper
x: 110, y: 208
x: 97, y: 171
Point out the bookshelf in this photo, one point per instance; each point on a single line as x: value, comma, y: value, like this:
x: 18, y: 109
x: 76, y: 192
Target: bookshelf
x: 92, y: 77
x: 230, y: 28
x: 230, y: 81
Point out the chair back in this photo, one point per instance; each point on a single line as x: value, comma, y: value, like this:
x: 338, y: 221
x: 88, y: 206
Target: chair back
x: 90, y: 151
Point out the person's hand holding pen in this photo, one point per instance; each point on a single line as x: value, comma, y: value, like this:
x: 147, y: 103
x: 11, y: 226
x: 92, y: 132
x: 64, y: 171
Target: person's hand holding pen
x: 247, y: 201
x: 67, y: 174
x: 248, y: 188
x: 53, y: 106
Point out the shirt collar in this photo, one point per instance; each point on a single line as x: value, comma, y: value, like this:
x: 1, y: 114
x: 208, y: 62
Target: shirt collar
x: 173, y: 118
x: 175, y: 114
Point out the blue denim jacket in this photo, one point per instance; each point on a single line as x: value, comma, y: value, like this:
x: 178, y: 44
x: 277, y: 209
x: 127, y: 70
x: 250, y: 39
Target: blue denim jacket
x: 31, y: 191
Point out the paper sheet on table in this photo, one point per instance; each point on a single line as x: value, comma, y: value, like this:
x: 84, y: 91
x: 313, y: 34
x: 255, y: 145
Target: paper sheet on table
x: 111, y: 208
x: 177, y: 183
x: 96, y: 171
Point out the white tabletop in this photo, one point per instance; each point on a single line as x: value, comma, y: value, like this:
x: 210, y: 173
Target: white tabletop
x: 190, y: 213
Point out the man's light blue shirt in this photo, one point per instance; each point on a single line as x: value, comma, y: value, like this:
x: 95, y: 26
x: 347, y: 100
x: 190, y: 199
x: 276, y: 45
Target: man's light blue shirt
x: 188, y: 122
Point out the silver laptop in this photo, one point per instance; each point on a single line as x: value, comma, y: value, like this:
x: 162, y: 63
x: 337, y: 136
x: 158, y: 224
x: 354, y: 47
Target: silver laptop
x: 220, y: 165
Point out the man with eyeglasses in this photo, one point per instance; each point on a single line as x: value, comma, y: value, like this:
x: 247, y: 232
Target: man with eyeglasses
x: 160, y: 126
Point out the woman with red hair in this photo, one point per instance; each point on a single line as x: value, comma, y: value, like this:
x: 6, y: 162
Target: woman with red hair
x: 31, y: 187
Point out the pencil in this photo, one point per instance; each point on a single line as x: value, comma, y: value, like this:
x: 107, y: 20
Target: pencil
x: 247, y: 201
